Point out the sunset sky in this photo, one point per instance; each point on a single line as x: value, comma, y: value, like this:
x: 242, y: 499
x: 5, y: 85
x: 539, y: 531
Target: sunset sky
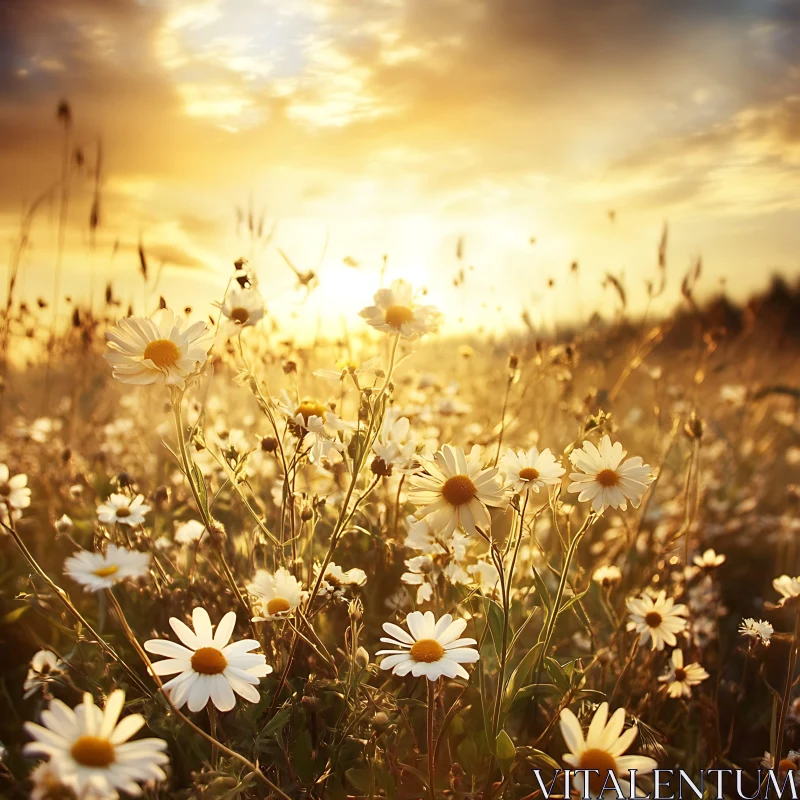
x: 398, y: 126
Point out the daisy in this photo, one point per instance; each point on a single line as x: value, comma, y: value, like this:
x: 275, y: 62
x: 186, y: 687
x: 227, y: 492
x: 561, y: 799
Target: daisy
x: 709, y: 559
x: 120, y: 509
x: 788, y: 588
x: 146, y: 351
x: 190, y: 532
x: 602, y: 751
x: 275, y: 595
x: 658, y: 619
x: 756, y: 629
x: 421, y: 537
x: 432, y: 648
x: 680, y: 678
x: 395, y: 312
x: 456, y: 491
x: 485, y: 576
x: 396, y: 445
x: 45, y: 666
x: 607, y: 575
x: 96, y: 571
x: 531, y: 469
x: 14, y: 491
x: 242, y: 308
x: 347, y: 367
x: 337, y: 581
x: 422, y: 572
x: 89, y: 750
x: 209, y: 667
x: 605, y: 479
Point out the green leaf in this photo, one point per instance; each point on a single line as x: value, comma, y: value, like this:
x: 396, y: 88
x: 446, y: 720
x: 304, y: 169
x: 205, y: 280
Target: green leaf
x: 505, y: 751
x: 277, y: 722
x: 359, y: 777
x: 520, y: 675
x: 541, y: 589
x: 494, y: 616
x: 200, y: 484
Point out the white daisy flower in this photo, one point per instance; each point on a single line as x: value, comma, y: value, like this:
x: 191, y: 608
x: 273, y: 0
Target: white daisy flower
x: 395, y: 444
x: 756, y: 629
x: 421, y: 537
x: 788, y: 588
x: 656, y: 619
x: 422, y: 573
x: 190, y: 532
x: 275, y: 596
x: 485, y: 576
x: 456, y: 491
x: 680, y: 677
x: 242, y: 308
x: 396, y: 312
x: 367, y: 370
x: 89, y: 750
x: 145, y: 351
x: 337, y: 581
x: 709, y: 559
x: 209, y: 667
x: 44, y: 667
x: 432, y: 648
x: 121, y: 509
x: 531, y: 469
x: 605, y: 479
x: 14, y: 491
x: 607, y: 575
x: 602, y: 751
x: 96, y: 571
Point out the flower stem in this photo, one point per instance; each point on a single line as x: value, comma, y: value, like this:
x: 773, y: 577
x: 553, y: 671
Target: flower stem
x: 68, y: 604
x: 431, y: 745
x: 178, y: 713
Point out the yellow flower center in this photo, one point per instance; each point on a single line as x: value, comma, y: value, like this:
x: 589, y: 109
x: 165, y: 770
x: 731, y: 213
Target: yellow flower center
x: 528, y: 474
x: 93, y: 751
x: 240, y: 315
x: 209, y: 661
x: 397, y: 315
x: 653, y: 619
x: 310, y: 408
x: 105, y: 572
x: 427, y: 650
x: 680, y: 674
x: 278, y: 605
x: 123, y: 512
x: 459, y: 490
x: 601, y: 761
x: 163, y: 353
x: 607, y: 478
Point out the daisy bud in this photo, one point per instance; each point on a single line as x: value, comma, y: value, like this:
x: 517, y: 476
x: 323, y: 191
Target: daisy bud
x: 124, y: 480
x: 289, y: 367
x: 311, y: 703
x: 513, y: 362
x: 306, y: 514
x: 63, y: 524
x: 355, y: 610
x: 66, y: 455
x: 269, y: 444
x: 217, y: 533
x: 161, y: 494
x: 362, y: 658
x: 380, y: 467
x: 380, y: 721
x: 694, y: 427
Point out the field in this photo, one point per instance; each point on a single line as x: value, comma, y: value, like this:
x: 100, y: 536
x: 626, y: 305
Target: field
x: 315, y: 499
